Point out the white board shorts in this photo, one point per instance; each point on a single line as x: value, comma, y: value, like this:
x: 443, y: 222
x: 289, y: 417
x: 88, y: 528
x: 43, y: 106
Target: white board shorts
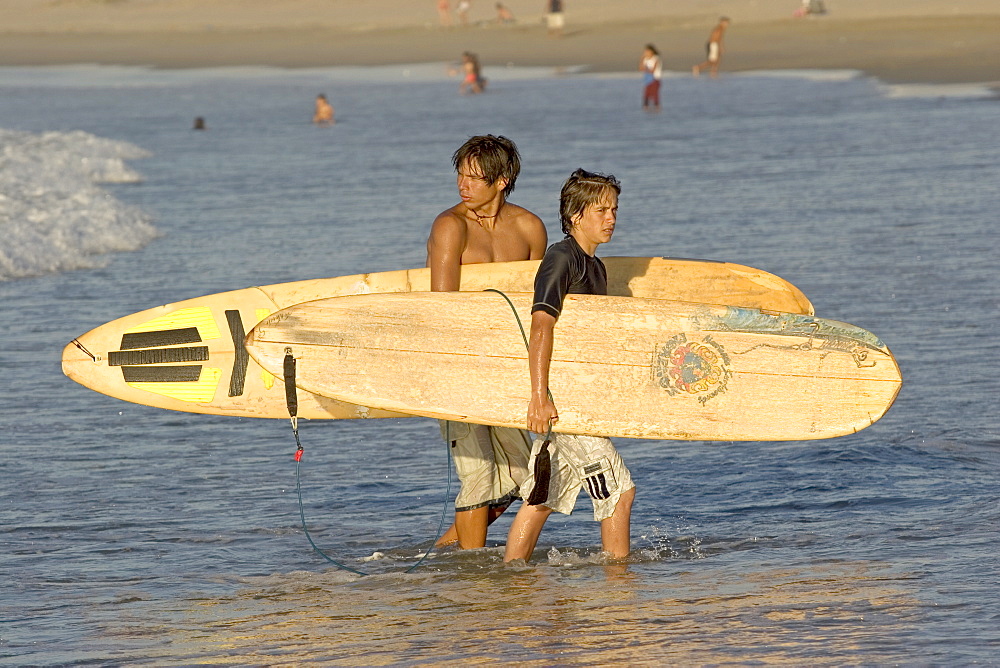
x: 581, y: 462
x: 713, y: 52
x: 491, y: 462
x: 555, y: 20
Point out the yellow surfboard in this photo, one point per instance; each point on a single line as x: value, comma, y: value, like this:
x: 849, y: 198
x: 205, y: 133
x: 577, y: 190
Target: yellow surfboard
x: 189, y: 355
x: 621, y: 366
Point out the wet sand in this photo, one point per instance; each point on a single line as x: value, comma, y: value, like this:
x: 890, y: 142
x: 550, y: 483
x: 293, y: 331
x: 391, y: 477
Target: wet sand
x: 909, y: 41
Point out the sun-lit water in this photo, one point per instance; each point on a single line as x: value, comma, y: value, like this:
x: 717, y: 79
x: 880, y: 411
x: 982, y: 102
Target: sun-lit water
x: 132, y: 535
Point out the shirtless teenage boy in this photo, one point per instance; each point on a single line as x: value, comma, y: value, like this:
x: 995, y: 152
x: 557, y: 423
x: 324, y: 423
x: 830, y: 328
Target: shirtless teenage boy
x: 714, y: 49
x: 483, y: 227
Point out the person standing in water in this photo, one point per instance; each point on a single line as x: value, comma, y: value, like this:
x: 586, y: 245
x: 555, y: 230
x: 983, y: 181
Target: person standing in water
x: 483, y: 227
x: 472, y: 77
x: 652, y: 71
x: 588, y: 209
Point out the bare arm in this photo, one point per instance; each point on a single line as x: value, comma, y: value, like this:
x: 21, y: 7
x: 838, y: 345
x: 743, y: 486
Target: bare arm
x: 541, y: 410
x: 445, y: 246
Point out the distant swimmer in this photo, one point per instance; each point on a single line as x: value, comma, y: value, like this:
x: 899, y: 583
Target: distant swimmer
x: 714, y: 49
x: 324, y: 111
x: 199, y: 124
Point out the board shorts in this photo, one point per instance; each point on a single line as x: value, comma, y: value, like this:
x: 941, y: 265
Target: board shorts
x: 712, y: 48
x: 555, y: 20
x: 491, y: 462
x: 581, y: 462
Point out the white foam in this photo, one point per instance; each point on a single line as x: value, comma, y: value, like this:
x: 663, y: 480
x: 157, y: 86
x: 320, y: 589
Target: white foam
x: 959, y: 91
x: 127, y: 76
x: 807, y: 75
x: 53, y: 215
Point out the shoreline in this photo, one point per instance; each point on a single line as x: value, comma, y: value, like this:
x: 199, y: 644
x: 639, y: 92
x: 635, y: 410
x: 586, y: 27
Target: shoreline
x: 897, y: 50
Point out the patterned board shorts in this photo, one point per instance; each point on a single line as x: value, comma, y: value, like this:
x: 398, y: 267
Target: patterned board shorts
x: 582, y: 462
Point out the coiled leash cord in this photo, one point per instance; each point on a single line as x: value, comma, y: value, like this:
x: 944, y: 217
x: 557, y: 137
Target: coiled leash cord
x: 292, y: 401
x: 542, y: 472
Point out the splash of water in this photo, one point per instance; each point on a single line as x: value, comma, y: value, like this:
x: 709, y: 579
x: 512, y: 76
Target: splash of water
x: 54, y: 216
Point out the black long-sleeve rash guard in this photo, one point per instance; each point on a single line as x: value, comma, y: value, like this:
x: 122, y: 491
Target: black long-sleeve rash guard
x: 567, y: 269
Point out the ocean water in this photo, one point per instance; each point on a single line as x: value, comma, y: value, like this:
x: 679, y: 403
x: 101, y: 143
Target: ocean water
x: 131, y: 535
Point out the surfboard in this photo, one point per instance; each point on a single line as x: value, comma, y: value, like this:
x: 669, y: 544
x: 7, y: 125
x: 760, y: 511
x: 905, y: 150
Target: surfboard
x: 189, y: 355
x: 621, y: 367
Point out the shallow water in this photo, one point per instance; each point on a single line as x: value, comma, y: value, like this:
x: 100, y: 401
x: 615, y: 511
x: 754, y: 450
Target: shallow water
x: 132, y: 535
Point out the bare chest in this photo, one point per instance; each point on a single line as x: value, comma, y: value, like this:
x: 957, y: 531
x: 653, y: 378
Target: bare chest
x: 503, y: 243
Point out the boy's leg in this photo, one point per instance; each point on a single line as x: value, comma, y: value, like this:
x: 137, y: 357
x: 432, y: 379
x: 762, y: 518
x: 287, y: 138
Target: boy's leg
x: 474, y: 456
x: 470, y: 527
x: 616, y: 536
x: 524, y: 531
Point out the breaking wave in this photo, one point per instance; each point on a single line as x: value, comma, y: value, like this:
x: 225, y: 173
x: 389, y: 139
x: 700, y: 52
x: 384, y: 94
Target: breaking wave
x: 54, y: 216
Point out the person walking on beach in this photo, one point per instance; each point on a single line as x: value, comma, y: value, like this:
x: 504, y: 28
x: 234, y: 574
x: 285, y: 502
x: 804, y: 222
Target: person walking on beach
x: 504, y: 15
x: 588, y: 208
x: 714, y: 49
x: 554, y: 18
x: 652, y: 71
x: 463, y: 11
x: 324, y: 111
x: 483, y: 227
x: 444, y: 12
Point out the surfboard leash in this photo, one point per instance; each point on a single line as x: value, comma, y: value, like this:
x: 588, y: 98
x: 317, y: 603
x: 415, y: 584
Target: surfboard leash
x: 76, y: 342
x: 543, y: 461
x: 292, y: 402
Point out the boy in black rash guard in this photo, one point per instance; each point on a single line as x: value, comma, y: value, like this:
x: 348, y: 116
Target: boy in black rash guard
x: 588, y: 208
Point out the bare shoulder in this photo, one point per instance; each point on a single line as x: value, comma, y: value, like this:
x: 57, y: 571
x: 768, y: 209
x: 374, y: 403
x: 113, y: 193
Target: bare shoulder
x: 449, y: 223
x: 524, y: 218
x: 531, y: 229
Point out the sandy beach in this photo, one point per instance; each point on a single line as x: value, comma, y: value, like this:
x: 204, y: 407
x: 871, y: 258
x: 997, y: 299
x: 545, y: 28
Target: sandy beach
x: 899, y: 41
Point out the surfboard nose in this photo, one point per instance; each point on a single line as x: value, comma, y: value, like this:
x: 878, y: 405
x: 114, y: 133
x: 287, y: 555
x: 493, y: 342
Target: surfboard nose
x: 78, y: 362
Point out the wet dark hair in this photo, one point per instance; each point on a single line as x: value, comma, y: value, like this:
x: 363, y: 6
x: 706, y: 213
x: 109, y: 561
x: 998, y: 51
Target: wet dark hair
x: 497, y: 158
x: 581, y: 189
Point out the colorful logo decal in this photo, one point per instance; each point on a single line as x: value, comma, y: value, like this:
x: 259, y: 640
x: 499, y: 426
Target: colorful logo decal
x: 694, y: 368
